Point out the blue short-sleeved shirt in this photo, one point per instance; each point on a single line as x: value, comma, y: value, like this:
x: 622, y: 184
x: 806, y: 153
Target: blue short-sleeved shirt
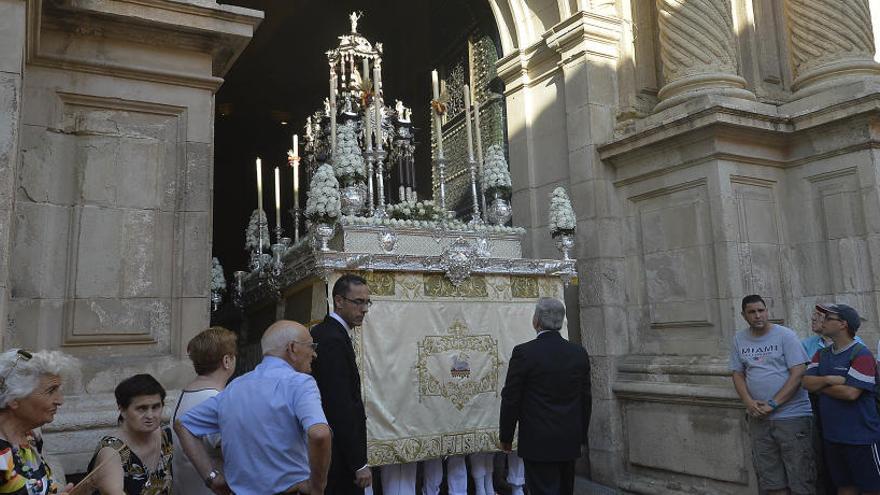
x: 854, y: 422
x: 263, y: 418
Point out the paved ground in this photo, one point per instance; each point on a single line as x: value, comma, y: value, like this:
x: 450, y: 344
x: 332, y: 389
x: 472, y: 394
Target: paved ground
x: 583, y: 486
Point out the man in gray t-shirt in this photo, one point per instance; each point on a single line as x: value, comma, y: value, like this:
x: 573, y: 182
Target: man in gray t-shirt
x: 767, y: 362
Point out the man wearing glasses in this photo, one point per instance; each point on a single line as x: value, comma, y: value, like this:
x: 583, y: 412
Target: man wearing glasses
x: 336, y: 372
x: 844, y: 376
x: 275, y: 435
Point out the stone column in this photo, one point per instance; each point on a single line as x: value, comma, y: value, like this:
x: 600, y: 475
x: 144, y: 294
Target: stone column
x: 831, y: 43
x: 12, y: 41
x: 698, y: 50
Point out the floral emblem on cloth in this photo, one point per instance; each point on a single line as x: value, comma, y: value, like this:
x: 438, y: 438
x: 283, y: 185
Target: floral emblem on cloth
x: 458, y: 366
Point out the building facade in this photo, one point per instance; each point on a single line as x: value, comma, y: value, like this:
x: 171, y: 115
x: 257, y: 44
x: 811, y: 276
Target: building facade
x: 712, y: 148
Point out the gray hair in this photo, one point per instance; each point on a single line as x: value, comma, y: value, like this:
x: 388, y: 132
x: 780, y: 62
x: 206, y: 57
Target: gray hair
x: 275, y: 342
x: 549, y: 313
x: 21, y: 376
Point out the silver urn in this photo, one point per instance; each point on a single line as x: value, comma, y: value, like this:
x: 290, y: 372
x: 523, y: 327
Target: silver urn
x: 499, y: 211
x: 323, y: 233
x: 352, y: 200
x: 564, y: 243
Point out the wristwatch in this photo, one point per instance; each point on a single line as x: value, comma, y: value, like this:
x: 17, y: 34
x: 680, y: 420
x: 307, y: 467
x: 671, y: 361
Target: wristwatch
x: 772, y: 403
x: 209, y: 479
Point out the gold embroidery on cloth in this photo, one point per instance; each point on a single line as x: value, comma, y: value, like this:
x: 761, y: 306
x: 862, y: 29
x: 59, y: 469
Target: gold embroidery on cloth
x: 524, y: 287
x: 380, y: 452
x: 380, y: 283
x: 550, y: 287
x: 437, y: 285
x: 408, y: 285
x: 456, y: 353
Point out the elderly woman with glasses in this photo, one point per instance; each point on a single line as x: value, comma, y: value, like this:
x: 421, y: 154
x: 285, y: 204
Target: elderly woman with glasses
x: 30, y: 395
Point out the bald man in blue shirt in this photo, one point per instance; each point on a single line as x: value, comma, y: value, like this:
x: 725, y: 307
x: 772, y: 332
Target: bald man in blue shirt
x: 275, y: 438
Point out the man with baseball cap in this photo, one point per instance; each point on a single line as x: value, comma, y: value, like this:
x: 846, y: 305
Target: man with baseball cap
x: 844, y: 376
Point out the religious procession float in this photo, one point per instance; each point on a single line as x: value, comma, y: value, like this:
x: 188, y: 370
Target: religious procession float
x: 452, y: 293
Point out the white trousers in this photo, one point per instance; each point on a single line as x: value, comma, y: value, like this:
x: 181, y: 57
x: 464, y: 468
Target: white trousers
x: 482, y: 465
x: 516, y: 470
x: 399, y: 479
x: 456, y: 476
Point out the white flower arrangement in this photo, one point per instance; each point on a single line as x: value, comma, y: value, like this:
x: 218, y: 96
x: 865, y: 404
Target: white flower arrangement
x: 562, y: 219
x: 348, y: 163
x: 415, y: 210
x: 218, y: 280
x: 322, y: 205
x: 496, y: 176
x: 251, y: 235
x: 428, y: 224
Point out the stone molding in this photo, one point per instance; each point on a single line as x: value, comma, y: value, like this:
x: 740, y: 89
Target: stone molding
x: 830, y: 41
x: 677, y: 393
x: 529, y: 67
x: 586, y: 33
x: 698, y: 50
x: 764, y: 123
x: 223, y: 31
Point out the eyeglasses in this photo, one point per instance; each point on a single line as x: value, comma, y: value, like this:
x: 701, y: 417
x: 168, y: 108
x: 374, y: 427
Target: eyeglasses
x: 21, y: 354
x: 313, y: 345
x: 364, y: 303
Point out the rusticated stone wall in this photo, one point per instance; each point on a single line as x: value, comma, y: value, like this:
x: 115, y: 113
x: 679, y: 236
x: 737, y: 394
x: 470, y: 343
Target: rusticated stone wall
x: 106, y: 163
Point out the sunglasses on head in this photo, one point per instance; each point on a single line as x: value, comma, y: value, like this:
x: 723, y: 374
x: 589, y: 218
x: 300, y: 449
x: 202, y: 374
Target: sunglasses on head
x: 20, y: 355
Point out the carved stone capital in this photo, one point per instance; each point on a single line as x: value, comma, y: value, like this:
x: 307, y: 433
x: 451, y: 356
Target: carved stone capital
x: 831, y: 42
x: 698, y: 50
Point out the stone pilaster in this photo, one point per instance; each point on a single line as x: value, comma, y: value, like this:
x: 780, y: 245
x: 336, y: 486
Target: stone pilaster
x: 831, y: 43
x: 588, y: 44
x: 698, y: 50
x: 12, y: 42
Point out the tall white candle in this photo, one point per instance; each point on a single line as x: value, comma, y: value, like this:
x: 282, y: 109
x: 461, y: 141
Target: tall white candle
x: 435, y: 84
x: 365, y: 74
x: 295, y: 145
x: 467, y: 122
x: 368, y: 120
x: 277, y: 198
x: 438, y: 123
x: 477, y: 134
x: 377, y: 101
x: 296, y: 182
x: 259, y: 188
x: 332, y: 113
x: 368, y: 129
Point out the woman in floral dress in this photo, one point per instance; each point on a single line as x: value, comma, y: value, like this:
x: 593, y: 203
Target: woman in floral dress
x: 30, y: 394
x: 136, y: 460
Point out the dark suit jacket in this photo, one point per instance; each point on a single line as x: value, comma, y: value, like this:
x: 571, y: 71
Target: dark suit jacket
x: 336, y: 372
x: 547, y: 391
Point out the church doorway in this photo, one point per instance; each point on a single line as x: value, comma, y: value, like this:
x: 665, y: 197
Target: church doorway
x: 282, y: 78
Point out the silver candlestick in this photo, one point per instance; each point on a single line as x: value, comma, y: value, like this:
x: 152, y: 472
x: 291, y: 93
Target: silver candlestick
x: 380, y: 183
x: 368, y: 155
x: 477, y: 218
x: 441, y: 173
x: 238, y: 289
x: 295, y: 213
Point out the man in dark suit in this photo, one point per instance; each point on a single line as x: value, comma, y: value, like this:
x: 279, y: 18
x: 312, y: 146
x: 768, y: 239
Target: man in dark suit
x: 547, y: 391
x: 336, y: 372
